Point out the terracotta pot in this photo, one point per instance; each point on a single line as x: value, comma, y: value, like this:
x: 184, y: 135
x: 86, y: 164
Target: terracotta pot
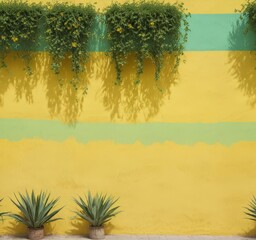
x: 36, y: 233
x: 96, y: 232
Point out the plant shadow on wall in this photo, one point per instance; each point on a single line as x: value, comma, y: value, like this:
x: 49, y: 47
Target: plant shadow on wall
x: 243, y: 63
x: 18, y: 229
x: 130, y: 100
x: 18, y: 79
x: 81, y: 227
x: 63, y: 101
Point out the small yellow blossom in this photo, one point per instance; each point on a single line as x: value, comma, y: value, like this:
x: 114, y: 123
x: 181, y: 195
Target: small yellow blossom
x: 80, y: 19
x: 74, y: 44
x: 62, y: 14
x: 130, y: 26
x: 15, y: 39
x: 3, y: 37
x: 119, y: 29
x: 152, y: 24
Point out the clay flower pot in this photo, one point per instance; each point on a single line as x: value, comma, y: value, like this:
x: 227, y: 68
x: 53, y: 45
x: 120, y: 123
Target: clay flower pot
x: 36, y: 233
x: 96, y: 232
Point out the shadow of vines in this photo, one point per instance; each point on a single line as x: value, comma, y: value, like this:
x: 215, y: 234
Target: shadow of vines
x: 17, y: 78
x: 128, y: 101
x: 63, y: 101
x: 243, y: 63
x: 131, y: 101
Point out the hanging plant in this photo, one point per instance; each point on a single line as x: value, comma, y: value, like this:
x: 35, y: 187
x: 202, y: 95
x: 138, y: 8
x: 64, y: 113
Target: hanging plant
x: 248, y: 13
x: 149, y: 29
x: 68, y: 30
x: 19, y: 25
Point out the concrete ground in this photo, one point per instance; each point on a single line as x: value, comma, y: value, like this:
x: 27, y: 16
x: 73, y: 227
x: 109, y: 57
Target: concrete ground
x: 138, y: 237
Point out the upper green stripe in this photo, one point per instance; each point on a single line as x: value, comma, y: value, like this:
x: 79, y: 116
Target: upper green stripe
x: 209, y: 32
x: 147, y: 133
x: 219, y: 32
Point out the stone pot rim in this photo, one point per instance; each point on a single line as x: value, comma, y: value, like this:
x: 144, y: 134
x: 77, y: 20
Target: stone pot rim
x: 96, y: 227
x: 31, y: 228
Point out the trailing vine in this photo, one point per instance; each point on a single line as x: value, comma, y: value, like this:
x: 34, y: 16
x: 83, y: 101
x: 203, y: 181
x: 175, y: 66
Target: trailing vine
x: 248, y: 13
x: 19, y: 25
x: 68, y: 30
x: 147, y: 28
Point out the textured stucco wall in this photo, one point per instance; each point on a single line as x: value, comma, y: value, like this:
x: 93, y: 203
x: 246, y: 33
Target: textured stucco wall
x: 182, y: 161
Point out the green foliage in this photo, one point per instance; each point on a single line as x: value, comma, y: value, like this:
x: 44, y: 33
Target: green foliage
x: 36, y: 210
x: 147, y: 28
x: 248, y: 12
x: 251, y: 210
x: 19, y: 22
x: 68, y: 29
x: 97, y: 209
x: 2, y: 213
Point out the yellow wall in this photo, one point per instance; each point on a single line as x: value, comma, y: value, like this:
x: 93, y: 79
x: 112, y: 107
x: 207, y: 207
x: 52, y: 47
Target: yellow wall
x: 164, y: 187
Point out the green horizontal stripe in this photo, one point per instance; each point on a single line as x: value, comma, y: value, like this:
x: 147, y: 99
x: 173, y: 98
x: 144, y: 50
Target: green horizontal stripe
x: 146, y: 133
x: 209, y: 32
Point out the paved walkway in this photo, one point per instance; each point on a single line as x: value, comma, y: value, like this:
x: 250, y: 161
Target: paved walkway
x: 138, y: 237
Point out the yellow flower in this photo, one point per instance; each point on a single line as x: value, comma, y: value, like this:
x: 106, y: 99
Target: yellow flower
x: 3, y: 37
x: 62, y: 14
x: 152, y: 24
x: 15, y: 39
x: 74, y: 44
x: 119, y: 29
x: 130, y: 26
x: 80, y: 19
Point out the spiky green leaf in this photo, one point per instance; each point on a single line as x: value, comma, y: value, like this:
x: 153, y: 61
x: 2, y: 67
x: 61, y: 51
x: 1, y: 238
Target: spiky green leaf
x: 36, y: 210
x: 97, y: 209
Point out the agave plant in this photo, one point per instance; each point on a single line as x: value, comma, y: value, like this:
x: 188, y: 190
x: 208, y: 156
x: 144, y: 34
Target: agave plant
x: 97, y: 209
x: 2, y: 213
x: 36, y: 210
x: 251, y: 210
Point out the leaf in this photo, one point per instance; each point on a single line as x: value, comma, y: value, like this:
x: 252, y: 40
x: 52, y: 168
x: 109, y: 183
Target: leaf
x: 36, y: 210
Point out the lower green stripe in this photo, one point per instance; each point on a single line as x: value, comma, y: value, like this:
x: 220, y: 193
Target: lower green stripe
x: 147, y: 133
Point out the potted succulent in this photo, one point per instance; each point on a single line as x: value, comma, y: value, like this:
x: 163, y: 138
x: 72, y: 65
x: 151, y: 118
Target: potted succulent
x: 97, y: 210
x: 2, y: 213
x: 36, y: 211
x: 251, y: 209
